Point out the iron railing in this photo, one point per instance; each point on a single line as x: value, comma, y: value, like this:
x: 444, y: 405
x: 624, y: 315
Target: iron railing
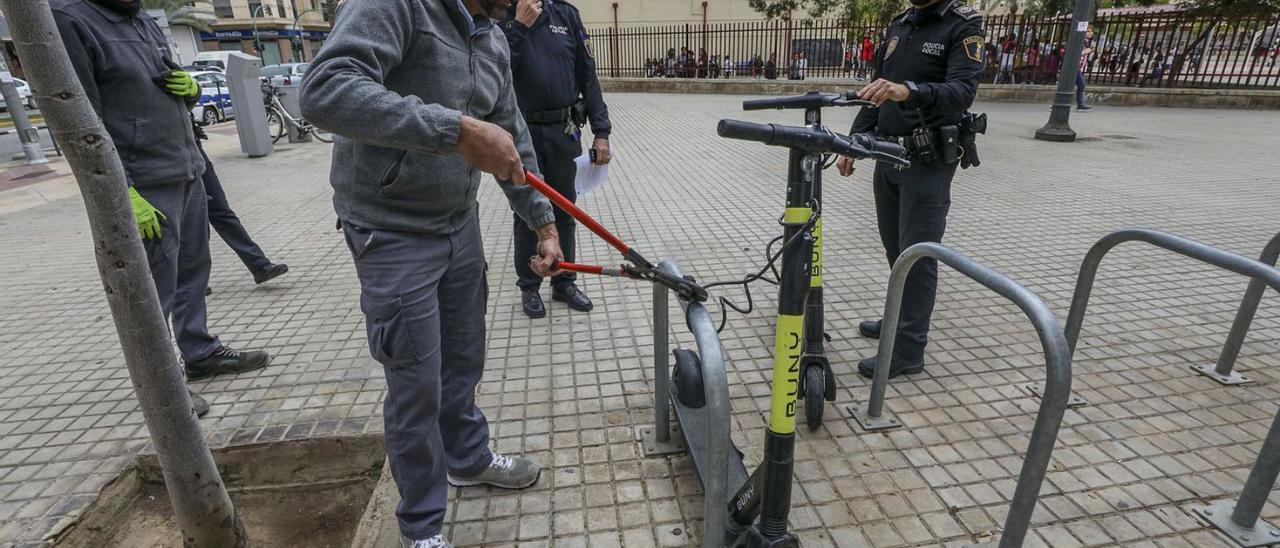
x: 1128, y: 50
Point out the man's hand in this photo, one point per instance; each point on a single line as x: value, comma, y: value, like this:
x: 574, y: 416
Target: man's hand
x: 491, y: 149
x: 601, y: 146
x: 549, y: 253
x: 179, y: 83
x: 883, y: 90
x: 146, y: 215
x: 845, y: 165
x: 528, y: 11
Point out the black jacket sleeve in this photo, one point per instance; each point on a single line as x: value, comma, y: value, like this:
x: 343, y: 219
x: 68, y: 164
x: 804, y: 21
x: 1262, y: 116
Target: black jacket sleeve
x: 584, y: 69
x: 83, y: 50
x: 869, y: 117
x: 964, y: 68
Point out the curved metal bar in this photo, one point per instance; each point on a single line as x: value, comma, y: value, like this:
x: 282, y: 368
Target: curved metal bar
x: 1057, y: 377
x: 1222, y: 259
x: 715, y: 382
x: 1244, y: 317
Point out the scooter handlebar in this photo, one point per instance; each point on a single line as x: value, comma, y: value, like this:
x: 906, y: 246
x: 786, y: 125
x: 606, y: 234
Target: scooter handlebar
x: 783, y: 136
x: 813, y: 99
x: 814, y: 140
x: 877, y: 147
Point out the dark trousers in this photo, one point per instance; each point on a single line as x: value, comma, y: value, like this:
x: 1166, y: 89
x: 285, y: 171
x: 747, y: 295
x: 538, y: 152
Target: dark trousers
x: 227, y: 224
x: 180, y: 264
x: 911, y: 207
x: 424, y: 298
x: 556, y: 153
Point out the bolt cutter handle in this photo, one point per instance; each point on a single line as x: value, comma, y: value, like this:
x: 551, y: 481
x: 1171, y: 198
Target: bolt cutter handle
x: 593, y: 269
x: 569, y: 207
x: 639, y: 269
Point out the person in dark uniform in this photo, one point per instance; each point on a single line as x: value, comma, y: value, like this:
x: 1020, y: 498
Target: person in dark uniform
x: 225, y: 221
x: 123, y: 62
x: 554, y: 75
x: 926, y: 77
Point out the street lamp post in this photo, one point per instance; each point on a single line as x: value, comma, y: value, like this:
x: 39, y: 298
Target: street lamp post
x: 253, y: 16
x: 1058, y: 127
x: 297, y: 18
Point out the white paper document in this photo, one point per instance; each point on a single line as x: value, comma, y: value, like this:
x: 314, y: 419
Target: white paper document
x: 590, y: 175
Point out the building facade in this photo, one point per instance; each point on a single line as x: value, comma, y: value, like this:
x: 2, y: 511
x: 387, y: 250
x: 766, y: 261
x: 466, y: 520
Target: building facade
x: 601, y: 13
x: 278, y: 31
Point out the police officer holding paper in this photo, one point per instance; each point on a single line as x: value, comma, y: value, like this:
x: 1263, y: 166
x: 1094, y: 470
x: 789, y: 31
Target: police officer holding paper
x: 926, y: 77
x: 555, y: 81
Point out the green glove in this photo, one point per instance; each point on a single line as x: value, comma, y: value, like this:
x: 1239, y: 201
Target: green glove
x: 180, y: 83
x: 147, y: 216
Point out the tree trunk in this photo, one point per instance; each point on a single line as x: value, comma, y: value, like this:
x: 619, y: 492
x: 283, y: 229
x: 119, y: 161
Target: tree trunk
x: 200, y: 502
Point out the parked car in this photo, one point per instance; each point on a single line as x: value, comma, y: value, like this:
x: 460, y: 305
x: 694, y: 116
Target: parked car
x: 24, y: 94
x: 212, y: 60
x: 285, y: 74
x: 215, y: 98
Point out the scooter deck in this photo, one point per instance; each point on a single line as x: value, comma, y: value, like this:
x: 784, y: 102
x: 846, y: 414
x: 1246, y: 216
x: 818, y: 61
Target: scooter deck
x: 695, y: 425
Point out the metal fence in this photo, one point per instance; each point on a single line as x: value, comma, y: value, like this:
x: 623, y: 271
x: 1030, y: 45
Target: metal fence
x: 1165, y: 49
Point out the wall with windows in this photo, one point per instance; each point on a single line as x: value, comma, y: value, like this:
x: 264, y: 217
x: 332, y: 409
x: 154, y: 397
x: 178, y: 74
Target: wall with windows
x: 246, y: 25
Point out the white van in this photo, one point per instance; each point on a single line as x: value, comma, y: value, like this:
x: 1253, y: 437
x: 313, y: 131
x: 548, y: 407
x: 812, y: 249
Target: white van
x: 212, y: 60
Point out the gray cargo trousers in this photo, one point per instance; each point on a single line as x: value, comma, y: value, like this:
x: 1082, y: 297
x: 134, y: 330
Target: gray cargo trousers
x: 424, y: 299
x: 180, y: 264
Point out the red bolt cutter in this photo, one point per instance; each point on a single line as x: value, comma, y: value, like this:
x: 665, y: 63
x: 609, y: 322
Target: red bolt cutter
x: 638, y: 269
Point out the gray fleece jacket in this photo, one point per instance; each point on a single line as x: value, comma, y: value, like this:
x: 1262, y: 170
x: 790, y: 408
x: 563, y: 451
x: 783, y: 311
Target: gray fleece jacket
x: 393, y: 81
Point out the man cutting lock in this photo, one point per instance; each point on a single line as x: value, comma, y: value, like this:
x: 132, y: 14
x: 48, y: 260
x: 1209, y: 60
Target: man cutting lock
x: 123, y: 62
x: 418, y: 94
x: 555, y: 81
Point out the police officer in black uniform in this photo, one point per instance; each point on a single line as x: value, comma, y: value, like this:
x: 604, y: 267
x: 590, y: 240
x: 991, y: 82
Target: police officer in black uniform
x: 556, y: 86
x: 926, y: 77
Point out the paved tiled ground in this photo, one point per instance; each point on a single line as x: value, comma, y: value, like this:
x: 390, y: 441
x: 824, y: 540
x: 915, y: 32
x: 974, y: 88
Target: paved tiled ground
x: 571, y: 389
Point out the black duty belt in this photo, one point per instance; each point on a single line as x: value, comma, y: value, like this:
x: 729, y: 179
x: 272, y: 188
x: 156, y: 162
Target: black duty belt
x: 913, y: 152
x: 554, y: 116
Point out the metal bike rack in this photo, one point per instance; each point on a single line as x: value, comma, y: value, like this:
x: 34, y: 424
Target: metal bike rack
x: 708, y: 426
x: 1223, y: 371
x: 1262, y: 272
x: 1057, y: 378
x: 1239, y: 521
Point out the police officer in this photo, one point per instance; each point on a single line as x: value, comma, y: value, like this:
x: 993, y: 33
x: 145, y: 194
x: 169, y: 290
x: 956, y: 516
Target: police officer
x: 122, y: 60
x: 419, y: 96
x: 926, y: 77
x: 551, y: 61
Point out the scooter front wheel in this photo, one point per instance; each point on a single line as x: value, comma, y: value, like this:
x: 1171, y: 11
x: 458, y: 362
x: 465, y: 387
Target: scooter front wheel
x: 814, y: 383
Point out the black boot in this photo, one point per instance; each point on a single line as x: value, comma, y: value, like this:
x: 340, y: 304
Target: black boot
x: 532, y: 302
x: 269, y: 272
x: 226, y: 361
x: 870, y: 328
x: 572, y: 296
x: 867, y: 367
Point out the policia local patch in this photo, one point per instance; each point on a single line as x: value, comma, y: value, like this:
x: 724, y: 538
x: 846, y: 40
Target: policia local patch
x: 973, y: 48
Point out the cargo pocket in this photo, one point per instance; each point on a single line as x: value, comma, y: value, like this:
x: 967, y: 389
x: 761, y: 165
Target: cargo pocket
x: 390, y: 331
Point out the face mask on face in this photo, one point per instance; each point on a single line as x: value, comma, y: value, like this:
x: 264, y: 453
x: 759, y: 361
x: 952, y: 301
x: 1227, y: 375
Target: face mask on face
x: 126, y: 7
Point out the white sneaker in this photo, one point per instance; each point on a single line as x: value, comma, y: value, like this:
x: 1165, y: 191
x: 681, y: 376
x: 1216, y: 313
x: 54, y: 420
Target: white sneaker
x: 437, y: 541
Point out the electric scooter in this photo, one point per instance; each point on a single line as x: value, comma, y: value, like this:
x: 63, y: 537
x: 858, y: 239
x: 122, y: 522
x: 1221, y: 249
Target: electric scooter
x: 817, y: 381
x: 757, y: 512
